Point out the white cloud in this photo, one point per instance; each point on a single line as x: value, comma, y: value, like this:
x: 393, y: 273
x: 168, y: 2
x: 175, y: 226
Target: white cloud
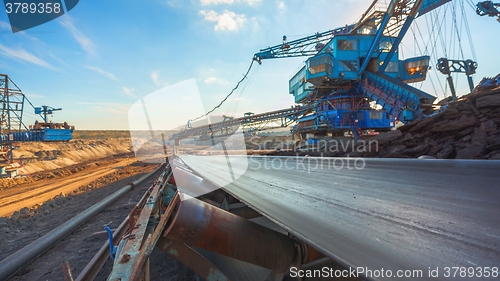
x: 212, y: 80
x: 226, y: 20
x: 281, y: 5
x: 114, y: 109
x: 128, y: 91
x: 22, y: 54
x: 217, y: 2
x: 4, y: 25
x: 33, y: 96
x: 118, y: 109
x: 84, y: 42
x: 102, y: 72
x: 155, y: 77
x: 252, y: 2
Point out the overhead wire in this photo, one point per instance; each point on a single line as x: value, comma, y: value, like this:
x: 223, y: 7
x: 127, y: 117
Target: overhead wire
x: 435, y: 16
x: 472, y: 5
x: 457, y: 33
x: 469, y: 35
x: 233, y: 104
x: 238, y: 98
x: 227, y: 96
x: 442, y: 36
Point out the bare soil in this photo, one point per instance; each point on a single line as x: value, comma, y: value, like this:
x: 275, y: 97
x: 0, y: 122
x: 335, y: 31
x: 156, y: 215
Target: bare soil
x: 44, y: 156
x: 32, y: 195
x: 62, y: 179
x: 79, y: 248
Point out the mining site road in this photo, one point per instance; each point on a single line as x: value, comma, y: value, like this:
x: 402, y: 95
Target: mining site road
x: 29, y: 195
x: 393, y: 214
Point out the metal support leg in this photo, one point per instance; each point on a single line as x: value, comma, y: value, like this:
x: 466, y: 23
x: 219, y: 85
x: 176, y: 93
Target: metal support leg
x: 471, y: 83
x: 452, y: 88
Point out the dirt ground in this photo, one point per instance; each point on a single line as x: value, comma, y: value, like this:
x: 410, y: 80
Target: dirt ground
x: 79, y: 248
x: 43, y: 156
x: 34, y: 194
x: 60, y: 180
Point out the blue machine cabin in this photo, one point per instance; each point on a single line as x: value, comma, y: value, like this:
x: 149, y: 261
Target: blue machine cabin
x: 338, y: 63
x: 333, y: 80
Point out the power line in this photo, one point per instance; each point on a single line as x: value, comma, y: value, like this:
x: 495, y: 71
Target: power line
x: 217, y: 106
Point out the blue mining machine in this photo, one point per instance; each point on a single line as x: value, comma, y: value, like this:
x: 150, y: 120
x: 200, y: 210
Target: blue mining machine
x: 354, y: 80
x: 355, y: 66
x: 12, y: 128
x: 488, y: 8
x: 49, y: 131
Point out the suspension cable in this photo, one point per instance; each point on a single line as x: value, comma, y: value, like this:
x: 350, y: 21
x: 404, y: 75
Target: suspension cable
x: 243, y: 90
x: 469, y: 36
x: 217, y: 106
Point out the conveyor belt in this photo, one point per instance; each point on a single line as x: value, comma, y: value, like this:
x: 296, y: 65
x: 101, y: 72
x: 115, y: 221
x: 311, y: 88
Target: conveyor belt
x: 393, y: 214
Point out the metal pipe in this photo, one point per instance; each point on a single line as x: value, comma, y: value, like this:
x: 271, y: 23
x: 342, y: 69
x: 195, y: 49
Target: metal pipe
x: 202, y: 225
x: 18, y: 260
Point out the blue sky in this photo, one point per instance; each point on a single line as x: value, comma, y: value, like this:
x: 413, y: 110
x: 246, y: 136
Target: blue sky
x: 103, y: 56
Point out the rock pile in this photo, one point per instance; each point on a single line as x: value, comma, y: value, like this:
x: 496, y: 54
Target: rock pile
x: 466, y: 129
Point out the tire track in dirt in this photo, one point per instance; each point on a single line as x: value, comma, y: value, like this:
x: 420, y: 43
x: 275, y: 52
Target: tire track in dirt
x: 37, y: 193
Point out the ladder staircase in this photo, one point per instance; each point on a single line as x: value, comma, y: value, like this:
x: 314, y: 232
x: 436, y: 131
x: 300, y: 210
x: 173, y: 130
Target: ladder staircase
x: 393, y: 95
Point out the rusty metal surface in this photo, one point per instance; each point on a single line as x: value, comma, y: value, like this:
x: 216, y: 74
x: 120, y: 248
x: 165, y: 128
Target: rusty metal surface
x: 66, y: 269
x: 395, y: 214
x: 92, y: 269
x: 202, y: 225
x: 192, y: 259
x: 130, y: 262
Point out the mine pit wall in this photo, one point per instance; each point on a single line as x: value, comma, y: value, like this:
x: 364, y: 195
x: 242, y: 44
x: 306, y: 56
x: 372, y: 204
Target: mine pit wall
x: 42, y: 156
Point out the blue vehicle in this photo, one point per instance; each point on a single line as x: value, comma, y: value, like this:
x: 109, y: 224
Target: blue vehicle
x: 354, y: 78
x: 12, y: 127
